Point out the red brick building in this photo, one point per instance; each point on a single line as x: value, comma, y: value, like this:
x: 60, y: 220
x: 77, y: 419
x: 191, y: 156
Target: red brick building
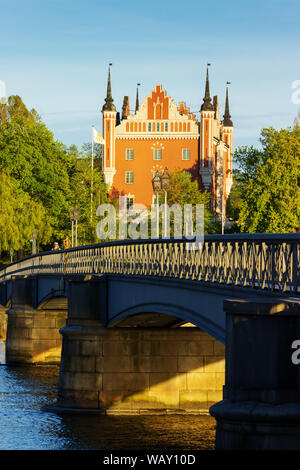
x: 162, y: 134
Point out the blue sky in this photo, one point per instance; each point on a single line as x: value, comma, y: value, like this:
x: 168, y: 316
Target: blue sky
x: 54, y: 54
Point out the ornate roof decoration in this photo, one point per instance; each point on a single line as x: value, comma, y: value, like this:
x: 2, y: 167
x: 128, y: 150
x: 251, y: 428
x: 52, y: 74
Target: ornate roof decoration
x: 227, y: 122
x: 109, y: 102
x: 207, y: 104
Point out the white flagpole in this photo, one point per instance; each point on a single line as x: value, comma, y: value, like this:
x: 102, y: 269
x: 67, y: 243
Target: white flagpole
x: 92, y: 173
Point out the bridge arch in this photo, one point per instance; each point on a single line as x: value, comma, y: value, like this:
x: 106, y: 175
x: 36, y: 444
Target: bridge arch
x: 57, y: 300
x: 179, y: 299
x: 163, y: 314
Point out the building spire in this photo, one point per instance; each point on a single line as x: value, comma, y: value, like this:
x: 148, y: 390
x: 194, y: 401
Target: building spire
x: 125, y: 107
x: 207, y: 104
x: 137, y: 105
x: 109, y: 102
x: 227, y: 122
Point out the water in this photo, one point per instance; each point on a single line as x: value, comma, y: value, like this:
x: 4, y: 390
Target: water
x: 24, y: 391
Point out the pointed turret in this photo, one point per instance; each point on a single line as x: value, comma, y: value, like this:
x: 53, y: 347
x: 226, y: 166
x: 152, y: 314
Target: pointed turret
x: 207, y: 104
x: 216, y: 107
x: 110, y: 118
x: 109, y: 102
x: 227, y: 122
x: 137, y: 105
x: 125, y: 107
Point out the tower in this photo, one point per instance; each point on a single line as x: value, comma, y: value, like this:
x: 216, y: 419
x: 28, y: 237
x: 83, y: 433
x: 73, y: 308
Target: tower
x: 227, y: 133
x: 207, y: 113
x: 109, y: 124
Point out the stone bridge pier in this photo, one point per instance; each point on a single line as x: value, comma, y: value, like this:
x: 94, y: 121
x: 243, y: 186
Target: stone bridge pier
x: 33, y: 330
x: 121, y: 369
x: 3, y: 323
x: 4, y: 304
x: 260, y: 409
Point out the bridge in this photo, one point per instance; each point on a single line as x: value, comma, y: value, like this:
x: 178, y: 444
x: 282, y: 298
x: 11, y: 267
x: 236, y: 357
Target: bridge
x: 120, y: 318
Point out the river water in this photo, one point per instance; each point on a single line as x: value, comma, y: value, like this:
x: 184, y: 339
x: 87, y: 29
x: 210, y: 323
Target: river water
x: 25, y: 390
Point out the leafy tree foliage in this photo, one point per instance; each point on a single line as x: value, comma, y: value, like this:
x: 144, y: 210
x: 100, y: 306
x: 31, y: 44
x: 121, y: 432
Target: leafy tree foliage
x: 19, y: 216
x: 184, y: 190
x: 88, y: 190
x: 46, y: 179
x: 267, y: 184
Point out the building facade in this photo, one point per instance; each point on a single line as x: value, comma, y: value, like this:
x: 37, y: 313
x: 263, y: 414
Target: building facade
x: 162, y: 134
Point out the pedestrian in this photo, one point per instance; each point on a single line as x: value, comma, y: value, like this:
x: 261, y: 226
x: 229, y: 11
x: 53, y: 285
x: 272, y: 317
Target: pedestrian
x: 55, y: 246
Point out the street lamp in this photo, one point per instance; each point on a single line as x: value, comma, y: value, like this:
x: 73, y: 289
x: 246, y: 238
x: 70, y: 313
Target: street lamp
x: 34, y: 236
x: 161, y: 182
x: 156, y: 183
x: 165, y: 184
x: 74, y: 216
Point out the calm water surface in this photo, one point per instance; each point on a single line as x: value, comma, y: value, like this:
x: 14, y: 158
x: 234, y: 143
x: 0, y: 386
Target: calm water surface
x: 25, y: 426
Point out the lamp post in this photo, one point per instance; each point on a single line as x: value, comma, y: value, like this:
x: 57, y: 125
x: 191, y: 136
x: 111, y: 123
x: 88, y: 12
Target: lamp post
x: 165, y: 184
x: 74, y: 216
x: 34, y: 236
x: 161, y: 182
x: 156, y: 183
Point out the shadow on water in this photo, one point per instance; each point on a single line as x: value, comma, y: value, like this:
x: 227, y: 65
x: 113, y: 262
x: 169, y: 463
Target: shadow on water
x: 23, y: 424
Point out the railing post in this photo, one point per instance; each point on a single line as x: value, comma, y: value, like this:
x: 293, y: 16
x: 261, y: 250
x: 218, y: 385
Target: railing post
x: 295, y: 267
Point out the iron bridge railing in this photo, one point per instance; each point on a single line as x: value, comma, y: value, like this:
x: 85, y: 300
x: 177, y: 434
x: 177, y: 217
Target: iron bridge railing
x: 259, y: 261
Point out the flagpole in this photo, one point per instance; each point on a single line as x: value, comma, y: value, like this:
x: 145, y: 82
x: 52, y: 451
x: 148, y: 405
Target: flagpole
x: 92, y: 163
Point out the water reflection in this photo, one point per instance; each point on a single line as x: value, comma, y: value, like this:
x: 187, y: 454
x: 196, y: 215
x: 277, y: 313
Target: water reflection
x: 23, y: 424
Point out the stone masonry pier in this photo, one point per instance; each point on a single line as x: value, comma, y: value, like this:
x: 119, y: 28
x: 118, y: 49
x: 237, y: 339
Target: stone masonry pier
x: 33, y: 333
x: 133, y: 370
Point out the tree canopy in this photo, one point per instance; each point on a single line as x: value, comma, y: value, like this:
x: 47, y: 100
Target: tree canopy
x: 45, y: 178
x: 184, y: 190
x: 266, y: 194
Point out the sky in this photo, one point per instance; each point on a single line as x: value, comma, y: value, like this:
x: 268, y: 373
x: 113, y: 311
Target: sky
x: 55, y: 55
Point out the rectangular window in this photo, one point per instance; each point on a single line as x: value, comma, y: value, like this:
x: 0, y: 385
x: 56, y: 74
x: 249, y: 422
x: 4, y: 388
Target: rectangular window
x: 129, y: 202
x: 157, y: 126
x: 149, y: 127
x: 166, y: 127
x: 185, y: 154
x: 129, y: 154
x: 129, y: 177
x: 157, y: 154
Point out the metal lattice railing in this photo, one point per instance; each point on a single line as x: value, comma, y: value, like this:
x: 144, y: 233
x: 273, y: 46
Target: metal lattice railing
x: 258, y: 261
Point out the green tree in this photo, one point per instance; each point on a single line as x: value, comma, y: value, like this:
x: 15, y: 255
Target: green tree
x: 87, y: 197
x: 50, y: 176
x: 184, y: 190
x: 40, y: 164
x: 269, y: 182
x: 234, y: 201
x: 19, y: 216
